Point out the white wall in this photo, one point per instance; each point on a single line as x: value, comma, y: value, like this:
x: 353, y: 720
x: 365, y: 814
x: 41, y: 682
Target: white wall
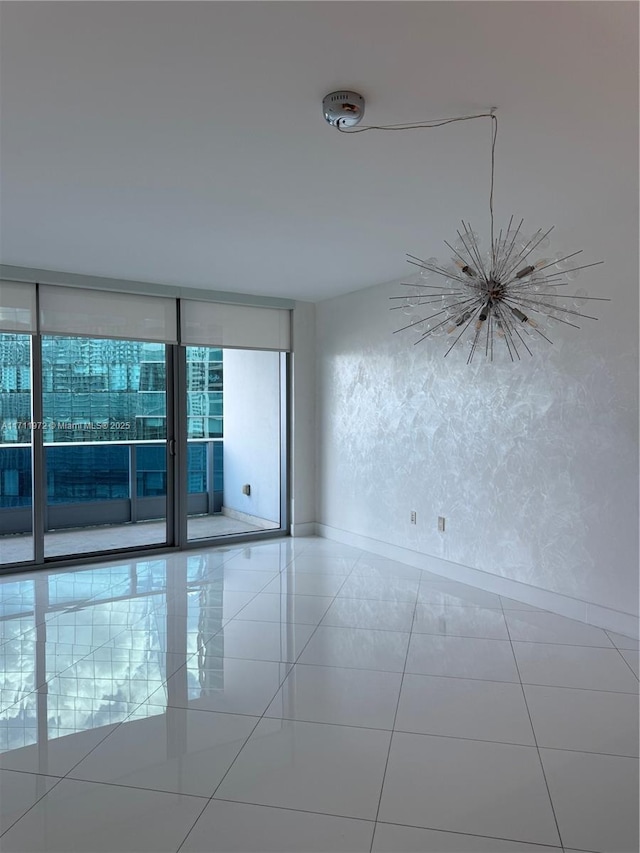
x: 252, y: 432
x: 303, y: 420
x: 533, y: 464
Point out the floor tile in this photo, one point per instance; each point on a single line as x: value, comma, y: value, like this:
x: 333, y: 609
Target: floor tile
x: 622, y: 642
x: 462, y: 657
x: 154, y: 699
x: 545, y: 627
x: 586, y: 720
x: 73, y: 731
x: 111, y: 680
x: 368, y: 613
x: 329, y: 769
x: 595, y: 798
x: 255, y: 560
x: 260, y: 640
x: 382, y: 589
x: 513, y: 604
x: 18, y: 793
x: 468, y: 786
x: 574, y: 666
x: 181, y: 751
x: 465, y: 708
x: 318, y: 545
x: 311, y: 584
x: 89, y: 818
x: 208, y: 596
x: 380, y: 567
x: 244, y: 580
x: 348, y: 697
x: 271, y: 607
x: 451, y: 592
x: 229, y: 685
x: 321, y: 564
x: 227, y: 827
x: 391, y: 838
x: 358, y: 648
x: 456, y: 621
x: 632, y: 659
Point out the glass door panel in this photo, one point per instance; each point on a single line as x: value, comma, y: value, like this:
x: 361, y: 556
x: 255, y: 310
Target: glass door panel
x: 105, y: 444
x: 16, y: 450
x: 233, y: 441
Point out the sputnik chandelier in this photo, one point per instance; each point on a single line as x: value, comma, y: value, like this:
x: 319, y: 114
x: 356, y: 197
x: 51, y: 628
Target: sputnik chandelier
x: 509, y: 295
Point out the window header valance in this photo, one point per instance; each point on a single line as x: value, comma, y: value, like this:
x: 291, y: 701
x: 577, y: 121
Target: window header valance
x: 98, y: 313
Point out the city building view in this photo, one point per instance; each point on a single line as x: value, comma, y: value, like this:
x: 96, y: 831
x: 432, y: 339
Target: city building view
x: 103, y: 422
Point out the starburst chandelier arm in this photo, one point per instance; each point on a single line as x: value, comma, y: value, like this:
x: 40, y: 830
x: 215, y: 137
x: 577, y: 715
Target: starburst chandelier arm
x: 427, y: 298
x: 455, y: 252
x: 462, y: 304
x: 464, y: 328
x: 561, y: 260
x: 444, y: 273
x: 506, y: 254
x: 522, y: 340
x: 512, y: 327
x: 533, y: 303
x: 420, y: 262
x: 520, y: 257
x: 503, y: 326
x: 441, y: 287
x: 431, y: 331
x: 575, y: 269
x: 590, y: 298
x: 471, y: 246
x: 474, y: 344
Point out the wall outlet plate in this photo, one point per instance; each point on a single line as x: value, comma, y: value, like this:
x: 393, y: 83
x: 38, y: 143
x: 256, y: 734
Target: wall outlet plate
x: 441, y: 523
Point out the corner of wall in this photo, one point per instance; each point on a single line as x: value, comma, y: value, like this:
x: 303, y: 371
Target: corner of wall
x: 303, y: 420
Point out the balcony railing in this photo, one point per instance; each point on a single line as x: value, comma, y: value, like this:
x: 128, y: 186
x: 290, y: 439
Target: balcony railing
x: 90, y: 483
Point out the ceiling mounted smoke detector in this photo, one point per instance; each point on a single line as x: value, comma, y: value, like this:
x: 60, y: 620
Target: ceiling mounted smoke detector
x: 343, y: 108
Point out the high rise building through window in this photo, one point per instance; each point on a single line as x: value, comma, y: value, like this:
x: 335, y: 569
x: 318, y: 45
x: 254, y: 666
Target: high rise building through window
x: 98, y: 397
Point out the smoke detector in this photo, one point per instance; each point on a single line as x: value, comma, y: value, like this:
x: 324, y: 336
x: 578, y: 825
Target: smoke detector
x: 343, y: 108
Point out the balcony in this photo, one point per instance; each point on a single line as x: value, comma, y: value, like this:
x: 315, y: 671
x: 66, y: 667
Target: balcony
x: 107, y: 495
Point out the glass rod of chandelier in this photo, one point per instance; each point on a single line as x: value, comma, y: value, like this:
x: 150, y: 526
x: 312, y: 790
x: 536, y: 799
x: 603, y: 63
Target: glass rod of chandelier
x: 508, y: 296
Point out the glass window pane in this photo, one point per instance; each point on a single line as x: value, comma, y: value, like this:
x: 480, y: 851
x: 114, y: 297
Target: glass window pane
x: 16, y: 432
x: 105, y: 428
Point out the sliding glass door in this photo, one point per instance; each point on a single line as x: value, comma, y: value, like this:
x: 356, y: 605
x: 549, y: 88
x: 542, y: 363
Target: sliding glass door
x: 16, y: 449
x: 104, y: 405
x: 130, y: 421
x: 234, y: 399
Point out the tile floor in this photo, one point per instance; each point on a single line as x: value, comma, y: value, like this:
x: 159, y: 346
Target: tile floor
x: 300, y: 695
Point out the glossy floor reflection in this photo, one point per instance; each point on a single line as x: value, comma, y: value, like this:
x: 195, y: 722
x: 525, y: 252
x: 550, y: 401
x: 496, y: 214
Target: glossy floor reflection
x: 301, y: 695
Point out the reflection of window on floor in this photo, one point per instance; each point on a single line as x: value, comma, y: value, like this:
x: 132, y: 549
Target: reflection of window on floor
x: 127, y: 618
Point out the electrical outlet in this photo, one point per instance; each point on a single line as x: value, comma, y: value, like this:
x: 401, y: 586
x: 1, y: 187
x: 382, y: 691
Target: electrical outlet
x: 414, y: 517
x: 246, y: 489
x: 441, y: 523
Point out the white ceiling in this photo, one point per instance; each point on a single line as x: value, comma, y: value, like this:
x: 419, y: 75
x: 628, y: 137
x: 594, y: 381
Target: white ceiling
x: 183, y: 143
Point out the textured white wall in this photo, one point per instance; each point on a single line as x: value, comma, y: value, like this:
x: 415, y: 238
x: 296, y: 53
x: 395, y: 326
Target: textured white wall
x: 533, y: 464
x: 252, y: 432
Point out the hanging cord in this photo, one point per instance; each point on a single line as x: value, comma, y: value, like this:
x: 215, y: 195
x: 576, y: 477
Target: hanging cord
x: 440, y: 122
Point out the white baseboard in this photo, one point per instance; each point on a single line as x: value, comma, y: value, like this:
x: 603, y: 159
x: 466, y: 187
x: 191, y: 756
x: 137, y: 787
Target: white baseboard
x: 262, y: 523
x: 306, y: 529
x: 564, y: 605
